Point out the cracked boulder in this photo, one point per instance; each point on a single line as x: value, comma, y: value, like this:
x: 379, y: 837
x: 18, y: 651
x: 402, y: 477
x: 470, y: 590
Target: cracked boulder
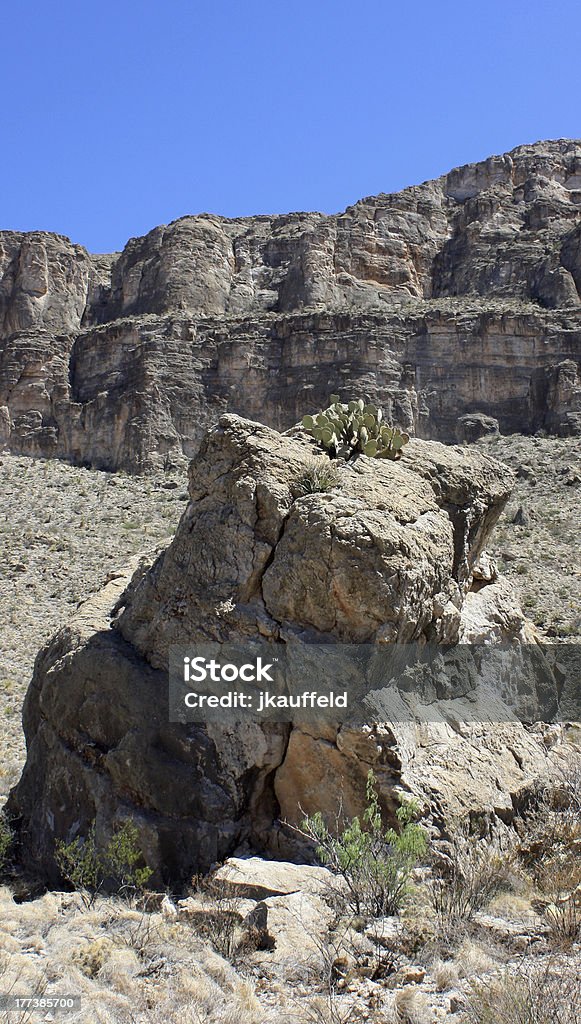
x: 385, y: 556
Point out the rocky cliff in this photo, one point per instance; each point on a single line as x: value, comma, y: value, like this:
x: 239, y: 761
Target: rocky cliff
x: 387, y: 555
x: 456, y: 296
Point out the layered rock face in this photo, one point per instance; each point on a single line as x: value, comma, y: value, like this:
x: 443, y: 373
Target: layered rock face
x: 454, y: 297
x: 387, y: 555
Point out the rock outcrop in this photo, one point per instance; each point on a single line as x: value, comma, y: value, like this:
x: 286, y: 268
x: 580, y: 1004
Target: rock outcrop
x: 455, y: 297
x: 388, y: 555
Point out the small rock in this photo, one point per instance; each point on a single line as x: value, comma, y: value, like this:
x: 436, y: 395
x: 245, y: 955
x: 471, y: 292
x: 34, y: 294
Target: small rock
x: 385, y: 931
x: 254, y: 878
x: 521, y: 517
x: 412, y: 975
x: 457, y: 1002
x: 485, y: 568
x: 296, y: 924
x: 473, y: 426
x: 509, y: 556
x: 525, y: 472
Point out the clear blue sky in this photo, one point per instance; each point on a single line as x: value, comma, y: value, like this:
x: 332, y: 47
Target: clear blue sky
x: 117, y: 116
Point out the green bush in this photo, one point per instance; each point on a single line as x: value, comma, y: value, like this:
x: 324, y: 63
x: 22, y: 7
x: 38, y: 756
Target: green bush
x: 90, y: 870
x: 346, y: 430
x: 375, y: 862
x: 5, y: 840
x: 122, y: 857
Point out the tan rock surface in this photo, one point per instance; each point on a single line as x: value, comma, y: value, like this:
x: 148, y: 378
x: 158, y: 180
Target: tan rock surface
x: 454, y: 297
x: 96, y: 717
x: 257, y: 879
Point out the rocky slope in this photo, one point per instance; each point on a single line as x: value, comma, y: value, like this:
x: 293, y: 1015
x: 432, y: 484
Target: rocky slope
x: 456, y: 296
x: 192, y: 961
x: 387, y: 554
x: 64, y: 531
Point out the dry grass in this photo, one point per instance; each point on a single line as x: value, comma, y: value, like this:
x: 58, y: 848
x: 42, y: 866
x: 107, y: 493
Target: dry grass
x: 63, y: 529
x: 560, y: 884
x: 544, y: 994
x: 321, y: 474
x: 473, y: 872
x: 411, y: 1006
x: 445, y: 975
x: 127, y: 966
x: 475, y: 958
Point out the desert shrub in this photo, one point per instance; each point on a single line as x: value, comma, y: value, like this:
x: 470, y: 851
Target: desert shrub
x: 344, y: 430
x: 122, y: 857
x: 559, y: 886
x: 90, y: 870
x: 319, y: 475
x: 326, y: 974
x: 375, y: 862
x: 466, y: 880
x: 563, y: 918
x: 220, y: 922
x: 92, y: 956
x: 537, y: 995
x: 5, y: 840
x: 79, y: 862
x: 411, y: 1007
x: 552, y: 826
x: 445, y: 974
x: 550, y: 850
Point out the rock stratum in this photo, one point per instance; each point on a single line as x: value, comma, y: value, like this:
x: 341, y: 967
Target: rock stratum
x: 391, y: 554
x: 456, y: 297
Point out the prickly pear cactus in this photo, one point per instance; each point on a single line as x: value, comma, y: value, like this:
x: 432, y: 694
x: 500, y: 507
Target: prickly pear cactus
x: 344, y: 430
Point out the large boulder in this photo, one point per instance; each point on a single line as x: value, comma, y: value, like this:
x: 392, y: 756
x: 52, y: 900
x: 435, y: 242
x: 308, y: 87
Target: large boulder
x: 385, y: 556
x: 473, y: 426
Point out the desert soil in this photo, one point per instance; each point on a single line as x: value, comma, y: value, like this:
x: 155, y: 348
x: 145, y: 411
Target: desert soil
x: 63, y: 529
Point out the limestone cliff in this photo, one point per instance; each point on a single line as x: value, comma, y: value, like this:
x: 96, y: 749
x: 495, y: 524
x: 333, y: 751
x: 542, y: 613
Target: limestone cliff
x: 456, y: 296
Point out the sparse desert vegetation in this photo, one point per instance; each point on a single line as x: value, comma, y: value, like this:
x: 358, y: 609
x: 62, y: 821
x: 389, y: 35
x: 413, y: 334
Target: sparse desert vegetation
x: 64, y: 531
x: 536, y: 542
x: 226, y: 951
x: 484, y: 934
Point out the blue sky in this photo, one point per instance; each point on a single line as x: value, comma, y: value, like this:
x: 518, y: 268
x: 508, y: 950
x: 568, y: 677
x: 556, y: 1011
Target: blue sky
x: 117, y: 116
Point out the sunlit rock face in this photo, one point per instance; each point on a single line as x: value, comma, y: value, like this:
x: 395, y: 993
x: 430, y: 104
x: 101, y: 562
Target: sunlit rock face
x: 456, y: 297
x: 389, y: 555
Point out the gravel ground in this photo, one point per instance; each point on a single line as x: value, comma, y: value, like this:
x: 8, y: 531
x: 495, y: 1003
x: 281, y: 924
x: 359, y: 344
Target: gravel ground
x: 541, y: 551
x: 63, y: 529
